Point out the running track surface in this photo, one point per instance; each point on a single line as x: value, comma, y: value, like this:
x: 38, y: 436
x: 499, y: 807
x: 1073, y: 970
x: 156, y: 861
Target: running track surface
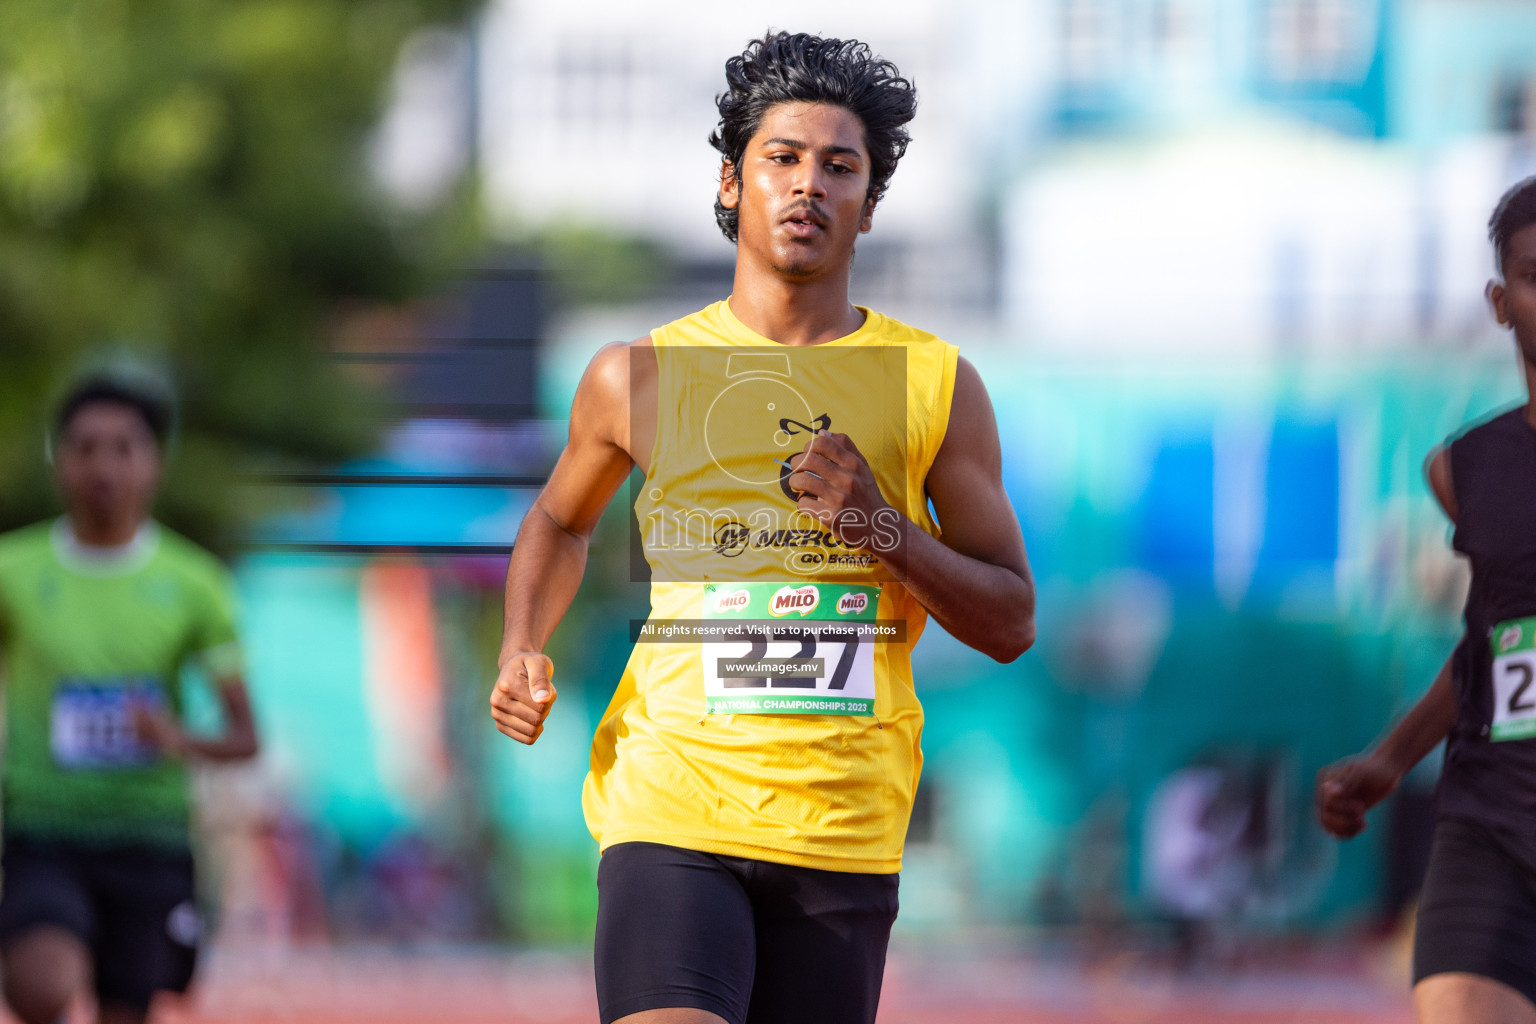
x: 923, y: 986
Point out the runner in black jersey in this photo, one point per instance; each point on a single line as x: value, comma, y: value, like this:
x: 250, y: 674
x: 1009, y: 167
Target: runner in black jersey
x: 1475, y: 951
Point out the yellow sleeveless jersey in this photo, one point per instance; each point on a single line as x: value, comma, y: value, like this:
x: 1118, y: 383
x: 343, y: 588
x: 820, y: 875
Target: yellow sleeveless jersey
x: 783, y: 726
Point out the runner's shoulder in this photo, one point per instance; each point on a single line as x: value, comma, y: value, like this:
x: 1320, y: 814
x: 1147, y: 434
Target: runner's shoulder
x: 928, y: 355
x: 1437, y: 472
x: 1492, y: 438
x: 894, y: 331
x: 26, y: 544
x: 1504, y: 424
x: 607, y: 378
x: 192, y: 562
x: 1494, y: 433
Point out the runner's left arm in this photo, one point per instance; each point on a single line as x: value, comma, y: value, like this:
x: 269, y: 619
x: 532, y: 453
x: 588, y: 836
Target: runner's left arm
x: 216, y: 643
x: 976, y: 581
x: 236, y: 742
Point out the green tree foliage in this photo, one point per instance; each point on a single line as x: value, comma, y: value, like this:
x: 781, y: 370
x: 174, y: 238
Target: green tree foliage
x: 188, y: 178
x: 593, y: 265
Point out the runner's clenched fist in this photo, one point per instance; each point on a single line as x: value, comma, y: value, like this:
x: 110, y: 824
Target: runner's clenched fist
x: 523, y: 694
x: 838, y: 487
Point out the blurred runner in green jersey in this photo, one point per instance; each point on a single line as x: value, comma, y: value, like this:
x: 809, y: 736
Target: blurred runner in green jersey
x: 99, y: 612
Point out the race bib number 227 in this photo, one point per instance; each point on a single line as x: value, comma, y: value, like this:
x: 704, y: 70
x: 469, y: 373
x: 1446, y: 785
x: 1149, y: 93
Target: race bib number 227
x: 790, y: 649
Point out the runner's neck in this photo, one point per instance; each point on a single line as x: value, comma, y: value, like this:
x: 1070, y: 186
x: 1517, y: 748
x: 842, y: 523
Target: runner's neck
x: 104, y: 559
x: 794, y: 314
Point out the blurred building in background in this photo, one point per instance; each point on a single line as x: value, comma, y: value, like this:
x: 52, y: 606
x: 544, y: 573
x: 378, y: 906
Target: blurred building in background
x: 376, y: 598
x: 1221, y: 265
x: 600, y: 111
x: 1319, y: 173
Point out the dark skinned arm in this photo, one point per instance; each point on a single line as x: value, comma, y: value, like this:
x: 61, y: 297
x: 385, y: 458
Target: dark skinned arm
x: 1346, y: 790
x: 976, y: 581
x: 237, y: 741
x: 550, y: 554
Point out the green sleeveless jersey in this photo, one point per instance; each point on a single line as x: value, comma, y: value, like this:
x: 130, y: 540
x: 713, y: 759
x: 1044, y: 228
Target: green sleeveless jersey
x: 85, y: 640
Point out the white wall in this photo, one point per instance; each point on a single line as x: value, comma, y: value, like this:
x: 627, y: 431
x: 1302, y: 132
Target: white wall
x: 601, y: 109
x: 1267, y: 238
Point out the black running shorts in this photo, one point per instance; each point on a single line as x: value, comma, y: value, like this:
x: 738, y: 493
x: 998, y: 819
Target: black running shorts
x: 1477, y: 909
x: 750, y: 941
x: 133, y: 907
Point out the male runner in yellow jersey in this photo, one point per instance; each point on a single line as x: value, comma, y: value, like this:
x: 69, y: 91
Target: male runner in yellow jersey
x: 751, y: 785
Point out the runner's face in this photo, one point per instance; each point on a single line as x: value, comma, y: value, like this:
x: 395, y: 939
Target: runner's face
x: 1514, y: 300
x: 802, y: 194
x: 107, y: 464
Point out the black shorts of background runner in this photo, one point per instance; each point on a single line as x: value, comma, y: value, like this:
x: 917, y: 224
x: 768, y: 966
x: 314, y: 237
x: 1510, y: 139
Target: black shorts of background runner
x: 133, y: 908
x: 1477, y: 910
x: 751, y: 941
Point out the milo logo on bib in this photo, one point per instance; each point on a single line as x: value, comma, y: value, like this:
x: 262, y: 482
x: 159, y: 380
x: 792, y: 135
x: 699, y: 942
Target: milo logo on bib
x: 1509, y: 637
x: 790, y: 650
x: 790, y: 600
x: 727, y: 601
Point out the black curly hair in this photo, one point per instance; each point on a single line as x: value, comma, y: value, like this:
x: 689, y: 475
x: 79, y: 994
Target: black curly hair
x: 1515, y: 212
x: 787, y: 68
x: 155, y: 410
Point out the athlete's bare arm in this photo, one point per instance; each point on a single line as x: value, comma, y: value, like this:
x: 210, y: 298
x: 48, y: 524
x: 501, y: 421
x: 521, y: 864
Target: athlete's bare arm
x: 550, y: 554
x: 1346, y: 790
x: 975, y: 581
x: 235, y: 742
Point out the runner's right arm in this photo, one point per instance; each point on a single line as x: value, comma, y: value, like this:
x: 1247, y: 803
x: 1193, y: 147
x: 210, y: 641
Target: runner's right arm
x: 550, y: 554
x: 1345, y: 791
